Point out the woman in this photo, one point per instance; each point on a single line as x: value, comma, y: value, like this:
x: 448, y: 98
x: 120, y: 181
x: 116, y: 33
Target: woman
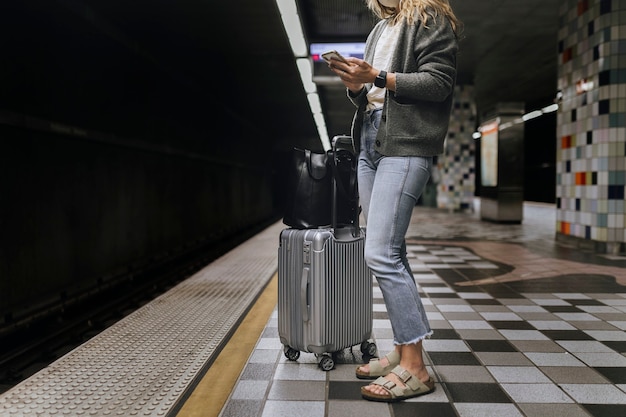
x: 403, y: 92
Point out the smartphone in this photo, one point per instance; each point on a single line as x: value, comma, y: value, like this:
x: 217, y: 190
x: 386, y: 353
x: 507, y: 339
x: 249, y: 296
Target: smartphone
x: 333, y: 54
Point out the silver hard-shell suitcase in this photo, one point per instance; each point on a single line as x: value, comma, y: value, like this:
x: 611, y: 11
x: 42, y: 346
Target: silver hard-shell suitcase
x: 324, y: 291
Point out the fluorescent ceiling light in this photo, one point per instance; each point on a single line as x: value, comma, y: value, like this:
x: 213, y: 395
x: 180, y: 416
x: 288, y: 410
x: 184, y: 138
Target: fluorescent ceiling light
x: 531, y: 115
x: 314, y: 102
x: 306, y: 74
x: 291, y: 22
x: 550, y: 108
x: 323, y: 132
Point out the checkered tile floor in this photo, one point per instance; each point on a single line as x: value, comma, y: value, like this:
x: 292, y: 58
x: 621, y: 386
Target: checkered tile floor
x: 518, y: 331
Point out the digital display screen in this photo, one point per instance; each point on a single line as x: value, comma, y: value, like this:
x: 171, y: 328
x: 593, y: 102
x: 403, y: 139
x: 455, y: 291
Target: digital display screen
x: 346, y: 49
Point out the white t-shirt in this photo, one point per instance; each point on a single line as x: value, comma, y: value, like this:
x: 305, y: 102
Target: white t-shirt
x: 382, y: 57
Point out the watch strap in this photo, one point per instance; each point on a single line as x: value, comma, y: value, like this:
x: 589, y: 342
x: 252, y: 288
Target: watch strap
x: 381, y: 79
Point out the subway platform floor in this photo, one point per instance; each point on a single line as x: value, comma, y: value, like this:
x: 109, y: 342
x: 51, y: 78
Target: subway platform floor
x: 523, y: 326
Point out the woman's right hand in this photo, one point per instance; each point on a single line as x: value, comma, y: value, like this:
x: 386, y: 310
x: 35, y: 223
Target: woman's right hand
x: 349, y: 72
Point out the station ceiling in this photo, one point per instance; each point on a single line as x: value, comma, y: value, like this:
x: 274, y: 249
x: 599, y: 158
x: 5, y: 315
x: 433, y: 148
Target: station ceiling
x: 508, y: 50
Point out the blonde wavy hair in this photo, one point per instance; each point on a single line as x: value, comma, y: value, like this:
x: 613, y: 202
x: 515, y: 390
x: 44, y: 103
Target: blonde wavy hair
x: 416, y: 10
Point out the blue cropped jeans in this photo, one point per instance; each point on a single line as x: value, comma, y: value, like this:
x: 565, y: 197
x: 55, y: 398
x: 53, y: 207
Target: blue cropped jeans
x: 389, y: 188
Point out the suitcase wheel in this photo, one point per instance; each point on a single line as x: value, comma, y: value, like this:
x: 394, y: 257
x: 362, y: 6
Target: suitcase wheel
x: 368, y: 348
x: 326, y: 363
x: 291, y: 353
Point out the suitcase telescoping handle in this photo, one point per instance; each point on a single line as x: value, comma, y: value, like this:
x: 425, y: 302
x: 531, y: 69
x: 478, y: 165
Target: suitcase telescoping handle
x: 344, y: 145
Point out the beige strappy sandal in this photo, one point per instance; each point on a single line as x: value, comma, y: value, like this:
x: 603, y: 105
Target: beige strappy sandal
x: 413, y: 387
x: 376, y: 369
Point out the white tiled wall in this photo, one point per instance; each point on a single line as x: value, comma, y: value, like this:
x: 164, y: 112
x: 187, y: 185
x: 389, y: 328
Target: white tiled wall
x: 456, y: 167
x: 591, y: 142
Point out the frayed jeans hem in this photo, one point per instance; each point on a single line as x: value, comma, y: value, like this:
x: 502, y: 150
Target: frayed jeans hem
x: 417, y: 340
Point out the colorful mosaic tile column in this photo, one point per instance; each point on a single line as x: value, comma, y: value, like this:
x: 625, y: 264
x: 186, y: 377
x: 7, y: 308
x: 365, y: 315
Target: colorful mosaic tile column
x: 456, y: 167
x: 591, y: 151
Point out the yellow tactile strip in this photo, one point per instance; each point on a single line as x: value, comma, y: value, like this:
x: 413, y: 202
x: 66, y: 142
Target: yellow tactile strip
x: 212, y: 392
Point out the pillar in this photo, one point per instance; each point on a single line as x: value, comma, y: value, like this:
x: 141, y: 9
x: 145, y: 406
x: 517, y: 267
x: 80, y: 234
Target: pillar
x: 591, y: 136
x: 454, y: 174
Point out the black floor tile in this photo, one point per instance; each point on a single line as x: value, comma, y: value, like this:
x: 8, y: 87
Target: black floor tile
x: 453, y: 358
x: 380, y: 315
x: 566, y: 334
x: 258, y: 371
x: 483, y: 302
x: 345, y: 390
x: 614, y: 374
x: 563, y: 309
x: 413, y: 409
x: 512, y: 324
x: 500, y: 291
x: 449, y: 274
x: 472, y: 289
x: 491, y: 346
x: 465, y: 392
x: 437, y: 285
x: 238, y: 408
x: 445, y: 334
x: 442, y: 295
x: 270, y: 332
x: 477, y: 273
x: 446, y: 257
x: 453, y: 280
x: 616, y: 346
x: 606, y: 410
x: 584, y: 302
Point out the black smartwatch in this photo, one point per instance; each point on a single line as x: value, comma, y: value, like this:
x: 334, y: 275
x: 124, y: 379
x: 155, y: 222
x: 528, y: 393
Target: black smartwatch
x: 381, y: 79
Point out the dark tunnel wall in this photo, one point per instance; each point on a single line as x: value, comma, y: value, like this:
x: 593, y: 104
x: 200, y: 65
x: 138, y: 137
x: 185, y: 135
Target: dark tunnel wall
x: 110, y: 158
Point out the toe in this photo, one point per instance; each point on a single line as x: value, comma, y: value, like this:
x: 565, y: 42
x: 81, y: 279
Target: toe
x: 373, y: 389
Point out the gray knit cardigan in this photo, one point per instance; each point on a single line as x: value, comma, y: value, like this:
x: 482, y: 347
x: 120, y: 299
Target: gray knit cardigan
x: 416, y: 116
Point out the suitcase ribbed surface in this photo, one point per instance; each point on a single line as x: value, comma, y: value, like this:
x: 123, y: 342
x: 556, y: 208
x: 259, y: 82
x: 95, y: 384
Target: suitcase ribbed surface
x: 339, y: 292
